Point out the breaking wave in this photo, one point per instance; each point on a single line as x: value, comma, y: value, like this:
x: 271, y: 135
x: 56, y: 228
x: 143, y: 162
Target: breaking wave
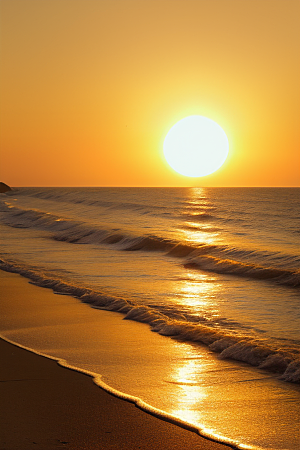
x: 227, y: 266
x: 274, y: 356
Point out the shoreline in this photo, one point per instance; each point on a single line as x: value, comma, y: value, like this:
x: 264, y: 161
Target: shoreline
x: 48, y: 404
x: 39, y: 408
x: 135, y: 401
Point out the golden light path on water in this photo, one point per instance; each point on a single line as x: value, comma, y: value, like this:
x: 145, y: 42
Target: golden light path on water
x: 196, y: 379
x: 198, y: 229
x: 198, y: 292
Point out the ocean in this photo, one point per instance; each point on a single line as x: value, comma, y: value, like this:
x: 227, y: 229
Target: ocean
x: 212, y: 273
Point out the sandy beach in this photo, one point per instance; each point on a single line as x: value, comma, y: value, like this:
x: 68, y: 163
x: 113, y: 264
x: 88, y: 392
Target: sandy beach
x: 44, y: 406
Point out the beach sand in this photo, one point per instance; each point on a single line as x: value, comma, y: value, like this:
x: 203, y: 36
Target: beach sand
x: 45, y: 406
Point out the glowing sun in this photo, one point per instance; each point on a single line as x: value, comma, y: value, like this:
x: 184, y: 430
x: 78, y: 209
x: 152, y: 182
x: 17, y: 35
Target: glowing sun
x: 196, y: 146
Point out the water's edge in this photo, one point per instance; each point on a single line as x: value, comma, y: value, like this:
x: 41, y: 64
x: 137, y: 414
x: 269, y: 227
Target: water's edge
x: 97, y: 379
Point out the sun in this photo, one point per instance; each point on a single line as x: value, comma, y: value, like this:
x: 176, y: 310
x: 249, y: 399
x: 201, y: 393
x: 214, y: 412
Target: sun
x: 196, y: 146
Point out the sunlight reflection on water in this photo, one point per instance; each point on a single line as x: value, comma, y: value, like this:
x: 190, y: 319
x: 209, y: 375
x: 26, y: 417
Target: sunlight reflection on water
x: 198, y: 292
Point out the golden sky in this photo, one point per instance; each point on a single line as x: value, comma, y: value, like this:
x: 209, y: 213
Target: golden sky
x: 90, y: 88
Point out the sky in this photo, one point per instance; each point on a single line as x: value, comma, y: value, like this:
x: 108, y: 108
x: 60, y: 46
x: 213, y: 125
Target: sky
x: 90, y: 89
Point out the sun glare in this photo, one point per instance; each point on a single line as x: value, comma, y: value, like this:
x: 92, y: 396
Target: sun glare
x: 196, y: 146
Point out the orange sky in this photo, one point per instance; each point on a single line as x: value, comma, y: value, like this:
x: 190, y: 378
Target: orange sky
x: 90, y: 88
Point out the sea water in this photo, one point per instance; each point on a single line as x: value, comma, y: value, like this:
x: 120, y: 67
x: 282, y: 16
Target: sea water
x: 214, y: 271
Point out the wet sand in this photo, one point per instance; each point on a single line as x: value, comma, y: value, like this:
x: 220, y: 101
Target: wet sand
x: 45, y: 406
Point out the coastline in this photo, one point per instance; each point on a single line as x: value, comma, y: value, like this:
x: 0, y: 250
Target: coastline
x: 48, y: 406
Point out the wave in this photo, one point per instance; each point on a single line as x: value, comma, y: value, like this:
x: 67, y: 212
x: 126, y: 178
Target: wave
x: 273, y: 356
x: 226, y: 266
x: 197, y: 227
x: 222, y: 259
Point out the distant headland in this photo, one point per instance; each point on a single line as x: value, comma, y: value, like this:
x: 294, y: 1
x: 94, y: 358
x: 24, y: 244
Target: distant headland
x: 4, y: 187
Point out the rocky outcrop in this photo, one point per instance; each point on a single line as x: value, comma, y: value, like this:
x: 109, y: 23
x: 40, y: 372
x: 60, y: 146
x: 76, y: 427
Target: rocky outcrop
x: 4, y: 187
